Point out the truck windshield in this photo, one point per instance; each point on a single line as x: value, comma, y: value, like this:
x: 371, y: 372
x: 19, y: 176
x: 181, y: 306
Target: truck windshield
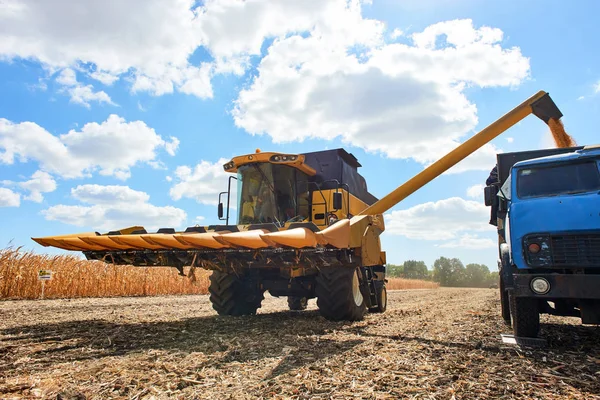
x: 268, y: 193
x: 558, y: 180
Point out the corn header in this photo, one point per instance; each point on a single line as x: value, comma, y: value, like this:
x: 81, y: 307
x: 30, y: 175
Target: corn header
x: 306, y: 227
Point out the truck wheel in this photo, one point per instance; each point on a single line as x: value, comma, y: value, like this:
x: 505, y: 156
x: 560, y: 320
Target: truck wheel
x: 504, y: 303
x: 338, y: 294
x: 297, y: 303
x: 525, y: 316
x: 231, y: 295
x: 381, y: 299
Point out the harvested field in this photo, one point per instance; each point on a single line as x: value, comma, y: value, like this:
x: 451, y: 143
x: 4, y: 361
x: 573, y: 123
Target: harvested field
x: 439, y: 344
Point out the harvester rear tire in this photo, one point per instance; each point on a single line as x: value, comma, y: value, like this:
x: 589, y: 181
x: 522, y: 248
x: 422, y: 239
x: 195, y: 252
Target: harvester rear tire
x: 338, y: 294
x: 233, y: 295
x: 297, y: 303
x: 525, y: 316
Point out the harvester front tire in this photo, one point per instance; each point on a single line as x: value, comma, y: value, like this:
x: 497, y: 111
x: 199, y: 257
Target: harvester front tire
x: 233, y: 295
x: 381, y: 299
x: 525, y: 316
x: 338, y: 294
x: 297, y: 303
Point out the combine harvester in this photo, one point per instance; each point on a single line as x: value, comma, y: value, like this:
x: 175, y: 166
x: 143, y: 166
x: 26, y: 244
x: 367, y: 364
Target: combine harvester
x: 307, y: 227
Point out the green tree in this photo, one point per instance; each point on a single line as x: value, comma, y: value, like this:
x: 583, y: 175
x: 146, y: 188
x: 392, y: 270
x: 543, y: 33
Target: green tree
x: 394, y: 271
x: 415, y: 269
x: 476, y: 275
x: 448, y: 271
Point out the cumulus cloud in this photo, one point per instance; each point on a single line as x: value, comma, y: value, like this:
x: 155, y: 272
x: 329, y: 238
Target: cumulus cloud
x: 202, y: 183
x: 476, y: 191
x: 114, y: 207
x: 111, y: 147
x: 80, y: 94
x: 451, y: 221
x: 405, y: 101
x: 8, y: 198
x: 470, y: 242
x: 329, y: 72
x: 157, y: 52
x: 40, y: 182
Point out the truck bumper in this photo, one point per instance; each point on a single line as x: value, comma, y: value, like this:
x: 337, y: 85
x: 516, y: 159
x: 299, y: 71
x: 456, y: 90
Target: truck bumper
x: 562, y: 286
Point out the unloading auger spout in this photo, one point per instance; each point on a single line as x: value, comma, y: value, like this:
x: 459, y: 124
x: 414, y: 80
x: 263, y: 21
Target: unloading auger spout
x: 307, y: 227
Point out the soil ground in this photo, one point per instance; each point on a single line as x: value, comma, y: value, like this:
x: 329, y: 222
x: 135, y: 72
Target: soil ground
x: 440, y: 344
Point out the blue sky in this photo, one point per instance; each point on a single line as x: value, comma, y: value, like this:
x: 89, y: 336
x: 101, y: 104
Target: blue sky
x: 118, y: 113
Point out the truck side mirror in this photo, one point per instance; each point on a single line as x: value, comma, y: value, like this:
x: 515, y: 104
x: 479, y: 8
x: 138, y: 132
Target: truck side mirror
x: 489, y: 194
x: 337, y: 200
x: 220, y: 210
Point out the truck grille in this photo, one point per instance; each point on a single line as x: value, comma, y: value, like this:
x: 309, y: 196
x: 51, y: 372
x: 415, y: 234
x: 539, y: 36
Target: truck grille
x: 576, y: 250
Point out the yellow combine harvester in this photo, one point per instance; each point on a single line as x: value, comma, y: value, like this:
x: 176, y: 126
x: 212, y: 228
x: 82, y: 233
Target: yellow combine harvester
x: 306, y: 227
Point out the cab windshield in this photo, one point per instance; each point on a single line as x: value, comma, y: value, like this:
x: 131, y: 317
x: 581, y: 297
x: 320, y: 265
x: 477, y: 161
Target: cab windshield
x: 269, y: 193
x: 562, y: 179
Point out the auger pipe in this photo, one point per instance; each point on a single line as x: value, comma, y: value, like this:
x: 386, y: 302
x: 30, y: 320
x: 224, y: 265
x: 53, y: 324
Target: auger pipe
x: 539, y: 104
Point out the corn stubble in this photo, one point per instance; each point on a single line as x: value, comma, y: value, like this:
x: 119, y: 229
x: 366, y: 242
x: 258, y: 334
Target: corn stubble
x: 75, y: 277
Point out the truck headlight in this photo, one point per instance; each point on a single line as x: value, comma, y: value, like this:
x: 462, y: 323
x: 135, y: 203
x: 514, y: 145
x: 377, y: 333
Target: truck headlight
x: 540, y: 285
x: 536, y: 250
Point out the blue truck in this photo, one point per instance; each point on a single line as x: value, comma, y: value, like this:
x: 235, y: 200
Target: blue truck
x: 546, y: 206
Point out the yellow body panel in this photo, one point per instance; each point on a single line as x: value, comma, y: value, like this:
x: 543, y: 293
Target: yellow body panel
x: 326, y: 196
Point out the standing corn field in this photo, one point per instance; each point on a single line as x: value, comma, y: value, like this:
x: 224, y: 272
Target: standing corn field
x: 75, y: 277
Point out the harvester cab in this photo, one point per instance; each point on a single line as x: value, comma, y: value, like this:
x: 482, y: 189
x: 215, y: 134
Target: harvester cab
x: 273, y: 188
x: 306, y: 226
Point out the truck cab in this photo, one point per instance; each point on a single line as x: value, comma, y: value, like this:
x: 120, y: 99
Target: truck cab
x: 548, y: 219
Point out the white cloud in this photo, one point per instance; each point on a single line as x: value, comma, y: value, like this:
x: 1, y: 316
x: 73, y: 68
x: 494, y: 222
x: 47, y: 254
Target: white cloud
x: 153, y: 39
x: 202, y: 183
x: 98, y: 194
x: 104, y: 77
x: 8, y: 198
x: 446, y: 220
x: 597, y: 87
x: 172, y: 146
x: 471, y: 242
x: 401, y: 100
x: 476, y: 192
x: 111, y: 147
x: 396, y: 33
x: 114, y: 207
x: 510, y: 139
x: 40, y: 182
x: 79, y: 93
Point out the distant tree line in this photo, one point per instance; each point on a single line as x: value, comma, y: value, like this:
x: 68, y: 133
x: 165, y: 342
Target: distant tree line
x: 447, y: 272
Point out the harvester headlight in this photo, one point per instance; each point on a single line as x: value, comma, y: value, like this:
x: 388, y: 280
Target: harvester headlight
x: 284, y: 158
x: 540, y: 285
x: 228, y: 166
x: 293, y: 158
x: 276, y: 158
